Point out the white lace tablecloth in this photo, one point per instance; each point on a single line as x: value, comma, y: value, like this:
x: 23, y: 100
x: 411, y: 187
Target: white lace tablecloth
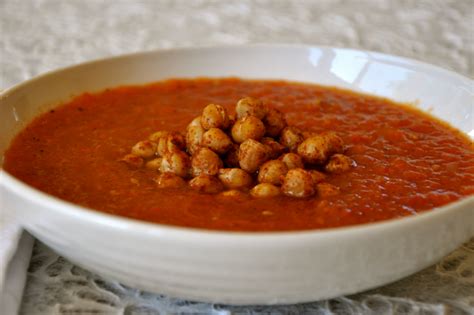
x: 37, y: 36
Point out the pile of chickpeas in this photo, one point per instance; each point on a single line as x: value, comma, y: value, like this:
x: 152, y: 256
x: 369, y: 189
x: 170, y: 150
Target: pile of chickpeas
x: 253, y: 152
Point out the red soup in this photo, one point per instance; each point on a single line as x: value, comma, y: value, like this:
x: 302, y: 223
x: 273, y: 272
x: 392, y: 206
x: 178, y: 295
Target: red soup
x: 407, y: 162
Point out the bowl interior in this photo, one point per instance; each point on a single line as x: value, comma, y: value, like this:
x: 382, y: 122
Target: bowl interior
x: 443, y: 93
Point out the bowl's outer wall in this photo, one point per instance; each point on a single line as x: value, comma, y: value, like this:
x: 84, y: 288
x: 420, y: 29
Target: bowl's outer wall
x: 244, y: 268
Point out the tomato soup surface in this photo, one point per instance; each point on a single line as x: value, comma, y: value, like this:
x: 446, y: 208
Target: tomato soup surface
x: 407, y: 162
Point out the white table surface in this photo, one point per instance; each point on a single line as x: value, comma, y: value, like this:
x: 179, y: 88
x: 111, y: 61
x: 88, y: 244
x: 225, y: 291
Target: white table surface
x: 37, y: 36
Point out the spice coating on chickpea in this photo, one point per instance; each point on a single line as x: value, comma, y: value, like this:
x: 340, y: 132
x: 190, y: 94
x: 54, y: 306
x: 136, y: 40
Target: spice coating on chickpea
x: 194, y: 136
x: 249, y: 106
x: 235, y: 178
x: 206, y: 184
x: 214, y: 116
x: 249, y: 127
x: 172, y: 142
x: 205, y: 161
x: 339, y: 163
x: 291, y: 137
x: 157, y: 135
x: 144, y: 149
x: 315, y: 150
x: 175, y: 162
x: 252, y: 154
x: 265, y: 190
x: 298, y: 183
x: 292, y: 160
x: 274, y: 122
x: 154, y: 164
x: 216, y: 140
x: 169, y: 180
x: 272, y: 172
x: 275, y: 148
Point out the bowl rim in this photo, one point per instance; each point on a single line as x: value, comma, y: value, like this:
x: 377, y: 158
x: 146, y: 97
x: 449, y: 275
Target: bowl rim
x: 161, y: 230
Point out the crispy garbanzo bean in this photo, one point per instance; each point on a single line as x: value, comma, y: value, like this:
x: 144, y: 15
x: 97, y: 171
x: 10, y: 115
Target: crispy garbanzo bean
x: 339, y: 163
x: 205, y: 161
x: 194, y: 138
x: 275, y: 148
x: 249, y: 127
x: 272, y: 172
x: 169, y: 180
x: 249, y: 106
x: 252, y: 154
x: 172, y: 142
x: 157, y: 135
x: 265, y: 190
x: 327, y: 190
x: 133, y: 160
x: 291, y: 137
x: 214, y: 116
x: 315, y: 150
x: 216, y: 140
x: 298, y: 183
x: 196, y: 122
x: 235, y: 178
x: 206, y: 184
x: 145, y: 149
x: 336, y: 142
x: 175, y: 162
x: 154, y: 164
x: 274, y: 122
x: 292, y: 160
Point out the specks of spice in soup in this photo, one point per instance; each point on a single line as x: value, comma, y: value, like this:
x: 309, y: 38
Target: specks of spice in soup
x: 407, y: 161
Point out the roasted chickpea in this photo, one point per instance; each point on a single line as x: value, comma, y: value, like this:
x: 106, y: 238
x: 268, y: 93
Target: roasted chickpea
x: 194, y: 138
x: 249, y: 127
x: 298, y: 183
x: 274, y: 122
x: 327, y: 190
x: 214, y: 116
x: 315, y: 150
x: 252, y: 154
x: 133, y: 160
x: 155, y: 137
x: 275, y: 148
x: 169, y: 180
x: 154, y: 164
x: 175, y: 162
x: 336, y: 144
x: 235, y: 178
x: 317, y: 176
x: 292, y: 160
x: 145, y: 149
x: 196, y: 122
x: 291, y: 137
x: 232, y: 157
x: 339, y: 163
x: 272, y: 172
x: 265, y: 190
x: 172, y: 142
x: 249, y: 106
x: 205, y: 161
x: 206, y: 184
x: 216, y: 140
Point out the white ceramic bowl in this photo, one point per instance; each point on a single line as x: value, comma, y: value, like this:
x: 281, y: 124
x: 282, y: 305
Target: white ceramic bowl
x: 244, y: 268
